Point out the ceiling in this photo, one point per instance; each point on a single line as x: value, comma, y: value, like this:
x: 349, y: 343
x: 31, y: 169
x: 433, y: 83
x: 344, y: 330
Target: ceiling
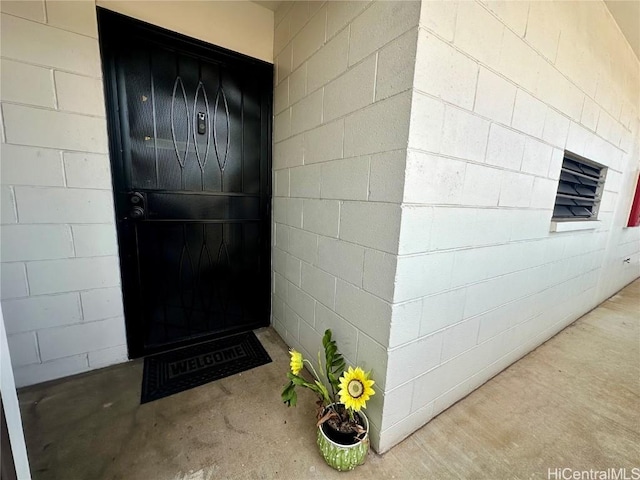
x: 271, y: 5
x: 626, y: 13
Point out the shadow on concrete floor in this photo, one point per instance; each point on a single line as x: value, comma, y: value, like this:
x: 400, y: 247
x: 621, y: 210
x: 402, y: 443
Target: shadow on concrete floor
x: 573, y: 402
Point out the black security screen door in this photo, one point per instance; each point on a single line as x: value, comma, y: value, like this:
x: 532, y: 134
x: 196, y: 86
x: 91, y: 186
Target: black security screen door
x: 189, y: 128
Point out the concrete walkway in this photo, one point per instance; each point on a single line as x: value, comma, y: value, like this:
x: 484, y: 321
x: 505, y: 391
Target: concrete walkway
x: 572, y: 403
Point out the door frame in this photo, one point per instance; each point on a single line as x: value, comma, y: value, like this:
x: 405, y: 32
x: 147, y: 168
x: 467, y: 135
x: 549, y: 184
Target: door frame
x: 110, y: 24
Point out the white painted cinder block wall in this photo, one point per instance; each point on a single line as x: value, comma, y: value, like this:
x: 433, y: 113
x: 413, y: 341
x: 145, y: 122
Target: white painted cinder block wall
x: 61, y: 294
x: 343, y: 81
x: 416, y: 160
x: 501, y: 89
x: 60, y: 275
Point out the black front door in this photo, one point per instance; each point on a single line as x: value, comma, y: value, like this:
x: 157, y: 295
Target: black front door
x: 189, y: 127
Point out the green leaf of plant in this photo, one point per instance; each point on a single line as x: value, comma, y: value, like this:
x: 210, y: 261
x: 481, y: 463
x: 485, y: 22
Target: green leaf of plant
x: 289, y: 395
x: 326, y: 339
x: 295, y: 379
x: 292, y: 399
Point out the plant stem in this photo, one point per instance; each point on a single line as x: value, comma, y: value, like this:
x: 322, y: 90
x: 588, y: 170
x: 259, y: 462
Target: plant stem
x: 313, y: 370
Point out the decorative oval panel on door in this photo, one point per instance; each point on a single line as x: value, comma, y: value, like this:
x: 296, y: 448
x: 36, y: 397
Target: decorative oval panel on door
x: 190, y: 137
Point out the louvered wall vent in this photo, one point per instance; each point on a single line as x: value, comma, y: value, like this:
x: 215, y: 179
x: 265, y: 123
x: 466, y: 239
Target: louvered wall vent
x: 579, y: 189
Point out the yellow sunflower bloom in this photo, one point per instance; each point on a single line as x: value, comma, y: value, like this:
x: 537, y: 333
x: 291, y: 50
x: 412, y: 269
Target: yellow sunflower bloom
x: 296, y: 361
x: 355, y: 388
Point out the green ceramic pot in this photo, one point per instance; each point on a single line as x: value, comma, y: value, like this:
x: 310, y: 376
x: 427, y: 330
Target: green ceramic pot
x: 344, y: 457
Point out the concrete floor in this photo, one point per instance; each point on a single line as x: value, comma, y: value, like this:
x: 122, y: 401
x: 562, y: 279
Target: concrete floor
x: 573, y: 402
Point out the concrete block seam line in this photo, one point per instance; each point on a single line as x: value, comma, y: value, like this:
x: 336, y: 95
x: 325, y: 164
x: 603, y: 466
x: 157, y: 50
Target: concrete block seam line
x: 322, y: 119
x: 443, y: 39
x: 485, y: 207
x: 482, y: 375
x: 349, y: 39
x: 348, y: 24
x: 435, y: 252
x: 375, y: 76
x: 81, y: 307
x: 327, y: 199
x: 64, y: 170
x: 301, y: 32
x: 349, y: 66
x: 350, y: 33
x: 47, y: 24
x: 54, y: 360
x: 390, y: 304
x: 289, y: 5
x: 337, y: 314
x: 480, y: 163
x: 3, y: 137
x: 542, y: 335
x: 326, y: 28
x: 113, y: 360
x: 55, y: 90
x: 72, y: 239
x: 14, y: 203
x: 55, y: 110
x: 340, y: 206
x: 322, y: 87
x: 66, y: 187
x: 420, y: 339
x: 324, y: 9
x: 500, y: 74
x: 475, y: 93
x: 369, y: 158
x: 467, y: 285
x: 486, y: 150
x: 49, y: 67
x: 91, y: 152
x: 26, y: 279
x: 355, y: 157
x: 510, y: 127
x: 44, y: 23
x: 37, y: 339
x: 489, y: 245
x: 420, y: 413
x: 302, y: 27
x: 71, y: 259
x: 76, y: 324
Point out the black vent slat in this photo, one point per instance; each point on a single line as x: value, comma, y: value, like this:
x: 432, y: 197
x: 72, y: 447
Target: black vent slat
x: 573, y: 201
x: 580, y: 167
x: 593, y: 172
x: 566, y: 188
x: 568, y: 177
x: 581, y: 212
x: 560, y: 211
x: 575, y: 190
x: 578, y: 192
x: 571, y: 177
x: 585, y: 191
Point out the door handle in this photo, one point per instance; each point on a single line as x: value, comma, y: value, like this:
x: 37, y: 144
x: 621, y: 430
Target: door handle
x: 136, y: 200
x: 136, y: 212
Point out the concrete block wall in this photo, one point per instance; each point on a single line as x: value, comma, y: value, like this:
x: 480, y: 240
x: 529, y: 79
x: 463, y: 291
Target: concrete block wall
x: 344, y: 74
x: 420, y: 231
x: 501, y: 89
x: 61, y: 295
x: 61, y: 291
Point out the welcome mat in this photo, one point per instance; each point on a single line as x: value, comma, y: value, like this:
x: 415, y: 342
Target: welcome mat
x: 178, y: 370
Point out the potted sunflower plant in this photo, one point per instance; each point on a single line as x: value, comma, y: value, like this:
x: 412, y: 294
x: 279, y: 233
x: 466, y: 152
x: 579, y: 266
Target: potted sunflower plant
x: 342, y: 426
